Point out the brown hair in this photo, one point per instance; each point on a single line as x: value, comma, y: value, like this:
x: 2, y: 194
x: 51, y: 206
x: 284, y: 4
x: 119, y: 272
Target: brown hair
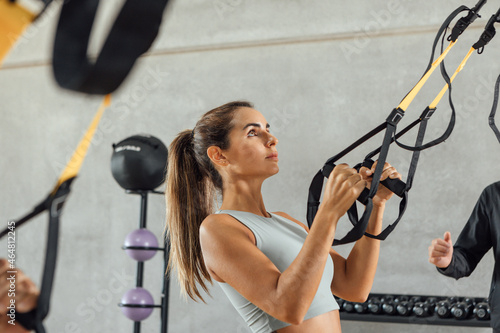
x: 192, y: 185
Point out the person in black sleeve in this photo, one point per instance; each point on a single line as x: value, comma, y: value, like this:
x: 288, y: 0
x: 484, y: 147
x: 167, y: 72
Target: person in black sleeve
x: 481, y: 233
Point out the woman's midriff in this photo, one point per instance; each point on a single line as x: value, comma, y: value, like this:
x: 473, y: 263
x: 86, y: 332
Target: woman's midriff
x: 328, y: 322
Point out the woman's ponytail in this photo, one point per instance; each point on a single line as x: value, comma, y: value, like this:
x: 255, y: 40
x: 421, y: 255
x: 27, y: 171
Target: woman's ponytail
x: 190, y: 198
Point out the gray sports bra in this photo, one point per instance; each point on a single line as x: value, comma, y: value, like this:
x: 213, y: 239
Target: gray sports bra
x: 280, y: 240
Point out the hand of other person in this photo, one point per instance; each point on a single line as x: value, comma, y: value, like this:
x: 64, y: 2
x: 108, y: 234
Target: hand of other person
x: 441, y: 251
x: 25, y: 296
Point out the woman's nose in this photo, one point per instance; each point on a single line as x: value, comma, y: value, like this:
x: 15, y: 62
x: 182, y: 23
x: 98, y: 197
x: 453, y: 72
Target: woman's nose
x: 272, y: 140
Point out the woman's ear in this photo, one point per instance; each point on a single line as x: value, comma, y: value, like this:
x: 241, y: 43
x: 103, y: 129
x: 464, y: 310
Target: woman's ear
x: 216, y: 156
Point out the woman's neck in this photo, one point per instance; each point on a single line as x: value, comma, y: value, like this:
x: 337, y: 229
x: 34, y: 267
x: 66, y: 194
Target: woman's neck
x: 244, y: 196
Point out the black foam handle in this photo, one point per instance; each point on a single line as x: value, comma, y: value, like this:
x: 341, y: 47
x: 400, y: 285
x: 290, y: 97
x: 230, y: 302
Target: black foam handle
x: 395, y: 185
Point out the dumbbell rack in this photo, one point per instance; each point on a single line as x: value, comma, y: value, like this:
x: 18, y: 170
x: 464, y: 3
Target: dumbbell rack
x: 412, y: 318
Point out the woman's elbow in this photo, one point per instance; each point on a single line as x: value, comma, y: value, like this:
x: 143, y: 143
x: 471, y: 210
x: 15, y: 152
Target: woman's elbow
x: 294, y: 315
x: 360, y: 298
x: 294, y: 319
x: 357, y: 296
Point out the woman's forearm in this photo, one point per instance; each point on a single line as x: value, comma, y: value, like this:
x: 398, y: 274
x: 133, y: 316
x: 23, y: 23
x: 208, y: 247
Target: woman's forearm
x: 298, y: 284
x: 361, y: 264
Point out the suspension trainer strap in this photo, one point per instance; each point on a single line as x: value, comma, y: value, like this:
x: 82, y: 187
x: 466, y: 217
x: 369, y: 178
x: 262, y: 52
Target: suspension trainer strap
x: 405, y: 102
x: 465, y: 21
x: 413, y: 93
x: 491, y: 118
x: 423, y: 119
x: 390, y: 136
x: 488, y: 33
x: 132, y: 34
x: 54, y: 203
x: 316, y: 185
x: 433, y: 105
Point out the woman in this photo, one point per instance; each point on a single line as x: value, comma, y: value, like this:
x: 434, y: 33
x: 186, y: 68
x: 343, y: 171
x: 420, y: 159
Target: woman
x: 276, y: 272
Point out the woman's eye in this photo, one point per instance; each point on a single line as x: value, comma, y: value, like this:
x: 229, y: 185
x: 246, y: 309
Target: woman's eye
x: 252, y: 133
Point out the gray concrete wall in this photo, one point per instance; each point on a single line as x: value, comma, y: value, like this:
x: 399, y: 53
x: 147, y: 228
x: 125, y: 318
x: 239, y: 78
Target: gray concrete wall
x: 323, y: 73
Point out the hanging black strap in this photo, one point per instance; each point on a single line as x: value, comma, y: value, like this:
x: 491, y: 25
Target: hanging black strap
x: 132, y: 34
x: 423, y: 119
x: 33, y: 320
x: 491, y: 118
x: 465, y: 21
x: 488, y: 33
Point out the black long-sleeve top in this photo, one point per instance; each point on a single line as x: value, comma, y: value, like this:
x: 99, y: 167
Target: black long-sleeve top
x: 481, y: 233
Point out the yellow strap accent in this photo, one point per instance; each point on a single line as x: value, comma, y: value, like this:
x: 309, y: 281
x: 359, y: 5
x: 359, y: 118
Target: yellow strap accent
x: 14, y: 18
x: 441, y: 93
x: 411, y: 95
x: 76, y: 160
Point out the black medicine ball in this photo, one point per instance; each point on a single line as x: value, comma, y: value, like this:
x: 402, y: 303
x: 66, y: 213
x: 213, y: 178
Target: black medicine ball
x: 139, y: 162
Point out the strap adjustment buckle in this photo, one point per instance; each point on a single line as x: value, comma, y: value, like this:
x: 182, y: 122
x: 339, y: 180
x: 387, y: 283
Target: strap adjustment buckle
x: 427, y: 113
x: 395, y: 116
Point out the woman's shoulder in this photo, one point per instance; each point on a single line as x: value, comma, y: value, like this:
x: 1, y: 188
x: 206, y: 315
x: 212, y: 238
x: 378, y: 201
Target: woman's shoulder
x: 223, y: 225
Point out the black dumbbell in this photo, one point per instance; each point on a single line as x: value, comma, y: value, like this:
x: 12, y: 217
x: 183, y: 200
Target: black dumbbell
x: 463, y: 309
x: 375, y: 305
x: 431, y: 301
x: 443, y: 307
x: 404, y: 308
x: 348, y: 306
x: 422, y: 309
x: 388, y: 305
x: 415, y: 299
x: 482, y: 310
x: 361, y: 307
x: 402, y: 298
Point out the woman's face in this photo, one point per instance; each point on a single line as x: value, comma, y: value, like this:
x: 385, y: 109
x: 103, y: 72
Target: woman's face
x: 252, y: 148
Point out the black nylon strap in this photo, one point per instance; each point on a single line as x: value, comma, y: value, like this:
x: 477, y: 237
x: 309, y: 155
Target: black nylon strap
x: 416, y: 154
x: 314, y: 197
x: 389, y: 133
x: 132, y: 34
x: 491, y: 118
x: 33, y: 320
x: 411, y: 173
x: 55, y: 210
x: 465, y: 21
x: 396, y: 136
